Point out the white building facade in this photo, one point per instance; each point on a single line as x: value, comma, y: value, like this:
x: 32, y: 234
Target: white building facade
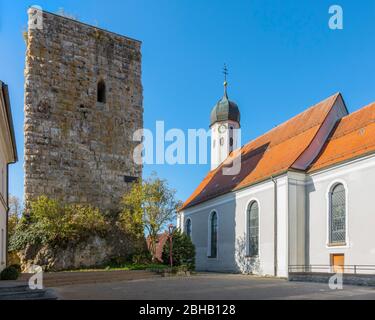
x: 302, y: 198
x: 8, y: 155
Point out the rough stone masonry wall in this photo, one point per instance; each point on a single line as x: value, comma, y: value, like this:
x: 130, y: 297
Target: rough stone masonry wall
x: 78, y: 150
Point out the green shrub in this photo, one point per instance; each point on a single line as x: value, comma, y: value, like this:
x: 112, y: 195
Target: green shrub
x: 9, y: 273
x: 27, y: 233
x: 17, y: 267
x: 142, y: 258
x: 183, y: 251
x: 85, y: 220
x: 116, y: 262
x: 51, y: 222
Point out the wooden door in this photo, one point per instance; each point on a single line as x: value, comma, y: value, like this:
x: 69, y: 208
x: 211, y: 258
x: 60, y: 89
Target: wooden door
x: 337, y: 263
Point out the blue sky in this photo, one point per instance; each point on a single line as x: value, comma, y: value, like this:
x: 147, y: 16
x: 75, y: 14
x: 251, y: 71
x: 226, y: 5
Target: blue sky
x: 281, y: 55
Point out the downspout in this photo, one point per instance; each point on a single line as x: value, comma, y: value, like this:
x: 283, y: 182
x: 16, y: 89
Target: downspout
x: 275, y: 224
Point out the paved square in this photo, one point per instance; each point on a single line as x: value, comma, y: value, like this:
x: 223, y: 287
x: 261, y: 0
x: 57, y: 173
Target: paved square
x: 212, y: 287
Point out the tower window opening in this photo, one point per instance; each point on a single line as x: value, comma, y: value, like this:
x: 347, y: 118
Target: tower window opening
x: 101, y: 92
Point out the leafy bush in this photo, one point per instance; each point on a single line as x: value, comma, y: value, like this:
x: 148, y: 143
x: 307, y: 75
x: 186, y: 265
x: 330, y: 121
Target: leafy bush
x: 17, y: 267
x: 183, y: 251
x: 85, y: 220
x: 9, y: 273
x: 50, y: 222
x: 142, y: 258
x: 116, y: 262
x: 27, y: 233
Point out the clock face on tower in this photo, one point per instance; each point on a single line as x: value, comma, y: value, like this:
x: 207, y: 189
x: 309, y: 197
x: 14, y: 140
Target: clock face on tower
x: 222, y: 128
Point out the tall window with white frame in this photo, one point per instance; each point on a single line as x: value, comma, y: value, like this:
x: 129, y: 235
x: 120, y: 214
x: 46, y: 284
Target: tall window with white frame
x: 188, y: 228
x: 213, y: 233
x: 253, y: 229
x: 337, y: 215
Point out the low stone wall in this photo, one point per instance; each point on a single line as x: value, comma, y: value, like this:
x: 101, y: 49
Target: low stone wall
x: 348, y: 279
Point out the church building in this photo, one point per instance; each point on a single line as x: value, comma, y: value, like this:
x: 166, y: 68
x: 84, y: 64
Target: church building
x: 301, y: 196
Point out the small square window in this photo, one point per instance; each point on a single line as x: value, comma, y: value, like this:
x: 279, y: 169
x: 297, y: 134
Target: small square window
x: 130, y: 179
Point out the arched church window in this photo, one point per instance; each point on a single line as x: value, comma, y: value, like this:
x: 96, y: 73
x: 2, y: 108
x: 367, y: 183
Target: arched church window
x: 188, y: 228
x: 231, y: 142
x: 337, y: 215
x: 101, y: 92
x: 253, y: 229
x: 221, y: 141
x: 213, y: 235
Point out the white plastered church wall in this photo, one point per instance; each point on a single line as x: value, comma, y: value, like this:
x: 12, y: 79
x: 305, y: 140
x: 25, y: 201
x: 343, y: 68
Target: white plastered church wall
x: 232, y: 231
x: 358, y: 178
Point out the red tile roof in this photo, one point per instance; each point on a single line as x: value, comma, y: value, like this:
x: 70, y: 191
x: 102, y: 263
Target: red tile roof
x: 353, y: 136
x: 270, y: 154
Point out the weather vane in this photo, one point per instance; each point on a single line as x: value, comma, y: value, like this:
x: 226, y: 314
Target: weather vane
x: 225, y: 72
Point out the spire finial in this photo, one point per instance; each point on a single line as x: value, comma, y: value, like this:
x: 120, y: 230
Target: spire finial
x: 225, y: 72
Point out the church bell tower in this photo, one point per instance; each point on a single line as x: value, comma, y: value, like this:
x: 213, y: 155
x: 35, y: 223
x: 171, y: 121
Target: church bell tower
x: 225, y: 122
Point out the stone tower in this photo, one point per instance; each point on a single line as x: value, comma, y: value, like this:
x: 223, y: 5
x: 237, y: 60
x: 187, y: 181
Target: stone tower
x: 83, y: 102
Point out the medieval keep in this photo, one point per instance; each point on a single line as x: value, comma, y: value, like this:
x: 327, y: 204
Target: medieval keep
x: 83, y: 102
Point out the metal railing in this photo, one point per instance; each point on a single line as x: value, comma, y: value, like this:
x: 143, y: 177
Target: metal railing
x: 321, y: 268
